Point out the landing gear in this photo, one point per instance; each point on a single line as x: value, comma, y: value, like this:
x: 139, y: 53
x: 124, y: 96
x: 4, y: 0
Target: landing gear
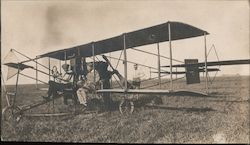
x: 10, y: 117
x: 126, y: 106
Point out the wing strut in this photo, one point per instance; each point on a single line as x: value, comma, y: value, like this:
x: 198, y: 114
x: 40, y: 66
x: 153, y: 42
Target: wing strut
x: 125, y: 62
x: 205, y: 46
x: 170, y: 49
x: 159, y: 65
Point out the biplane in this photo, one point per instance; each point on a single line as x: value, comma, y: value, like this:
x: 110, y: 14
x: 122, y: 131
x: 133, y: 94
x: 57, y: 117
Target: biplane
x: 169, y: 31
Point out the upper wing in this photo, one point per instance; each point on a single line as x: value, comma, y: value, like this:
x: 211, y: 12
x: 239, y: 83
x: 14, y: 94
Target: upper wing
x: 214, y: 63
x: 154, y: 34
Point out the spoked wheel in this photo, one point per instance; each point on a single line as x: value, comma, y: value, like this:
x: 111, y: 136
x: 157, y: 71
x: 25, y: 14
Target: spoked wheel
x: 11, y: 116
x: 126, y: 106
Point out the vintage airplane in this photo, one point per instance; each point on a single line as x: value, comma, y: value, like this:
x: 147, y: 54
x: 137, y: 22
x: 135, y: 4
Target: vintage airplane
x: 169, y: 31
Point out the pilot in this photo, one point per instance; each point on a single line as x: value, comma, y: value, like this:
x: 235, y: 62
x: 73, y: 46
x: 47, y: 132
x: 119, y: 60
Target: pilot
x: 66, y: 82
x: 82, y: 90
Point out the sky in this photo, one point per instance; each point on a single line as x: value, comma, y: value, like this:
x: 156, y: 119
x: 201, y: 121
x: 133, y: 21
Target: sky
x: 36, y: 27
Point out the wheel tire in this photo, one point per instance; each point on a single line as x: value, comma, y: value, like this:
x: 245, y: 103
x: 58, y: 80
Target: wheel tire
x: 9, y: 120
x: 126, y: 107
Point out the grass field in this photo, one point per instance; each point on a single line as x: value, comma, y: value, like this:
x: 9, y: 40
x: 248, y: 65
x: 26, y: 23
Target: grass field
x: 221, y: 118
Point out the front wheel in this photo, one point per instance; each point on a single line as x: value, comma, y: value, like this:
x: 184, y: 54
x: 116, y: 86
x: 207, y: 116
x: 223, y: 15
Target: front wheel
x: 126, y: 106
x: 10, y: 117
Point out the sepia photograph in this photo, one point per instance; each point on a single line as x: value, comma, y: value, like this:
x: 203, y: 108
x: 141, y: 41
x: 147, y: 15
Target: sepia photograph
x: 125, y: 71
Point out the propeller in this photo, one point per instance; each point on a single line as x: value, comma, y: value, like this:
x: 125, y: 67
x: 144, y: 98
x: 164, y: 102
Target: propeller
x: 121, y: 78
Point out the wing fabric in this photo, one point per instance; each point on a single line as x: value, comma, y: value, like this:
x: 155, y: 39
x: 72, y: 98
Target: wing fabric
x: 11, y: 61
x: 146, y: 36
x: 13, y: 68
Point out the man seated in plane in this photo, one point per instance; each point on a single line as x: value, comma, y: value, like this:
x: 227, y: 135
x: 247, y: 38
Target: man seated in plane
x: 87, y: 84
x: 92, y: 76
x: 66, y: 81
x: 100, y: 78
x: 81, y: 92
x: 83, y: 87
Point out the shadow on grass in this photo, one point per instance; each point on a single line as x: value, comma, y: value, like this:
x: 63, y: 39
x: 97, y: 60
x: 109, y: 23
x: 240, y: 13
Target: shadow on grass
x: 231, y: 101
x: 158, y: 104
x: 143, y: 101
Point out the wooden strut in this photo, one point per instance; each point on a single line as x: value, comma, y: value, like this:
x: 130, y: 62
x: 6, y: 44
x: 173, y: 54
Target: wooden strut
x: 47, y: 114
x: 28, y: 107
x: 134, y: 63
x: 36, y: 74
x: 49, y: 67
x: 30, y: 59
x: 53, y: 102
x: 159, y: 65
x: 125, y: 63
x: 13, y: 106
x: 206, y: 72
x: 60, y: 68
x: 87, y: 114
x: 111, y: 82
x: 93, y: 55
x: 170, y: 49
x: 5, y: 90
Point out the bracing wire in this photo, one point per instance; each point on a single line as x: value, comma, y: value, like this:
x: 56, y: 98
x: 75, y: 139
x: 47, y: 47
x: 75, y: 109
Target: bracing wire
x: 119, y: 59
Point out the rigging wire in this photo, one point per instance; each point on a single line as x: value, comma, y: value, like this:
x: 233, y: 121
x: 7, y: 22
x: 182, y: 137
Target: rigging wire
x: 30, y: 59
x: 33, y: 78
x: 4, y: 89
x: 119, y: 59
x: 156, y: 55
x: 162, y: 83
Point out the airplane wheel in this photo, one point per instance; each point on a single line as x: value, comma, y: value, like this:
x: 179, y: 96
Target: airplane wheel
x: 9, y: 119
x: 11, y: 115
x: 126, y: 107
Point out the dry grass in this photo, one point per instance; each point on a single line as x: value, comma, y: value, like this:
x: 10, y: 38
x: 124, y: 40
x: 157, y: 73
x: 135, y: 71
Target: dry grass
x: 221, y: 118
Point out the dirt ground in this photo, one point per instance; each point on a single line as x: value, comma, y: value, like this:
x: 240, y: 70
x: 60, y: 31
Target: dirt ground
x: 222, y: 117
